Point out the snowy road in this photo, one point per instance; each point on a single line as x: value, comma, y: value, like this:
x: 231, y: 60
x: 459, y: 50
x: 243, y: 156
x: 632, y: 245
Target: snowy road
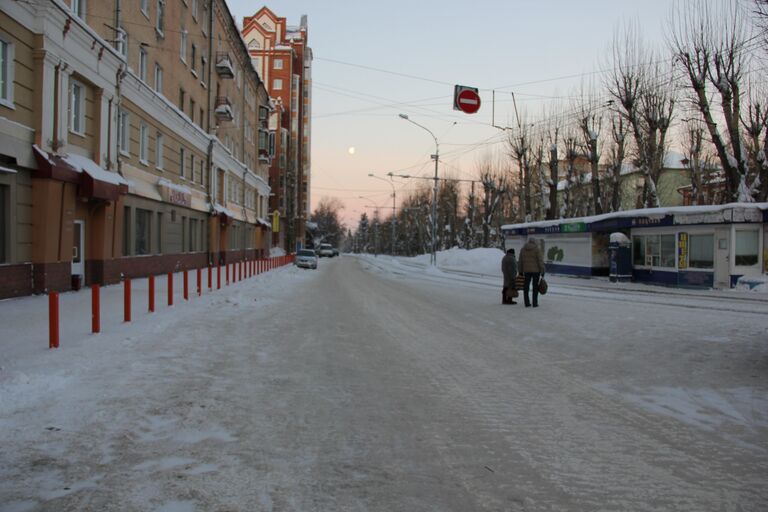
x: 372, y: 386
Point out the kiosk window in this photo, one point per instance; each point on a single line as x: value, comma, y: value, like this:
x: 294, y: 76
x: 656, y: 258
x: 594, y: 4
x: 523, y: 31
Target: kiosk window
x: 746, y: 248
x: 701, y: 251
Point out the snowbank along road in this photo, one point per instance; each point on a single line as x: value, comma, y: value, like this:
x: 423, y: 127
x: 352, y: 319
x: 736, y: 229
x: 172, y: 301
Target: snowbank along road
x: 373, y: 386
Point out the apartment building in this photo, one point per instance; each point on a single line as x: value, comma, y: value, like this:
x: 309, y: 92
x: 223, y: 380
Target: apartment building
x: 133, y: 140
x: 282, y: 57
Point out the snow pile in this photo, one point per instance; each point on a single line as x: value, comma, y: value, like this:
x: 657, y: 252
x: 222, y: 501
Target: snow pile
x: 753, y: 283
x: 486, y: 261
x: 276, y: 251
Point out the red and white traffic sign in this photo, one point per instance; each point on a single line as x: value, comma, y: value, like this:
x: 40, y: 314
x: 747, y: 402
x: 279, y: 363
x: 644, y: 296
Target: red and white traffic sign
x: 466, y: 99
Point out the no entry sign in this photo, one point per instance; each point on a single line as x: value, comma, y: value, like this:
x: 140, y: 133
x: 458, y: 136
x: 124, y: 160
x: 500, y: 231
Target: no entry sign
x: 466, y: 99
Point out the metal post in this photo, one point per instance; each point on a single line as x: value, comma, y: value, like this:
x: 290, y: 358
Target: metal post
x: 436, y: 157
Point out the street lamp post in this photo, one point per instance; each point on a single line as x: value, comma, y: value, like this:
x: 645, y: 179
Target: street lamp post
x: 394, y: 205
x: 435, y: 157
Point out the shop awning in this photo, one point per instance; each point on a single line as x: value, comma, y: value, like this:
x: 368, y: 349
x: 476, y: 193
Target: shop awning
x: 93, y: 181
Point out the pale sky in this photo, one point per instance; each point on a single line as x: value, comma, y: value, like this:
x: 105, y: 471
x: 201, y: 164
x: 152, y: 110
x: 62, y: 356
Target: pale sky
x: 374, y: 60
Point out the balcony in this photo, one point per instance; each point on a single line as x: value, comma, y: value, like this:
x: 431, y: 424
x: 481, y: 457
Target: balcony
x: 224, y: 66
x: 223, y: 109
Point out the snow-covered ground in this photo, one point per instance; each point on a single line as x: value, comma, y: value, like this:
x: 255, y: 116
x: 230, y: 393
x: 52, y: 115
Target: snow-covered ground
x: 378, y: 383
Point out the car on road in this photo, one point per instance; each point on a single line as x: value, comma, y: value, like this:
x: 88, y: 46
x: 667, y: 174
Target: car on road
x: 335, y: 251
x: 306, y: 258
x: 325, y: 250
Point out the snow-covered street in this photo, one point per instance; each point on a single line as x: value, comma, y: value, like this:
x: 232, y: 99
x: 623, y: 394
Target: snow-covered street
x: 377, y: 384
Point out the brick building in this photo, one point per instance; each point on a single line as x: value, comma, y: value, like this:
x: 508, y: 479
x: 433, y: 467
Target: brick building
x: 282, y: 57
x: 132, y: 141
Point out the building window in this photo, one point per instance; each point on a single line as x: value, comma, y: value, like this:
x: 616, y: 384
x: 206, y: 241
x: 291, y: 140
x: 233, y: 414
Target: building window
x: 746, y: 248
x: 143, y: 143
x: 182, y: 162
x: 182, y: 99
x: 123, y: 132
x: 701, y: 251
x: 6, y: 73
x: 193, y: 60
x: 192, y: 166
x: 77, y: 108
x: 277, y: 63
x: 654, y: 251
x: 126, y: 231
x: 143, y: 231
x: 143, y: 64
x: 203, y: 63
x: 192, y: 235
x: 277, y: 84
x: 194, y: 9
x: 78, y: 7
x: 183, y: 47
x: 159, y: 246
x: 145, y: 8
x: 5, y: 223
x: 160, y: 22
x: 159, y: 149
x: 158, y: 79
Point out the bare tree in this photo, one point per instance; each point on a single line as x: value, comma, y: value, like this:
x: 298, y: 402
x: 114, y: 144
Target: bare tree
x: 519, y: 141
x: 495, y: 187
x: 568, y: 207
x: 590, y: 120
x: 616, y: 156
x: 642, y: 89
x: 710, y: 42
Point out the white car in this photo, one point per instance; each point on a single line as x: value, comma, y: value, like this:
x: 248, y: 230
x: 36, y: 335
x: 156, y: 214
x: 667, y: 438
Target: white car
x: 306, y: 258
x: 325, y: 250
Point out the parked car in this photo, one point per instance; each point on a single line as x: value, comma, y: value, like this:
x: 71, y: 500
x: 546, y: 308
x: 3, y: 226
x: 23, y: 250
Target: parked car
x: 306, y: 258
x: 335, y: 251
x: 326, y: 250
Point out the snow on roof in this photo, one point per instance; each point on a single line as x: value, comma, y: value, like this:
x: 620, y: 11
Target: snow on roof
x: 642, y: 212
x: 82, y: 163
x: 174, y: 186
x: 222, y: 209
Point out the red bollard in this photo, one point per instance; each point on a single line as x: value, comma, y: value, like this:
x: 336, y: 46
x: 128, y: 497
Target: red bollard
x: 199, y: 281
x: 170, y: 288
x: 53, y: 320
x: 186, y: 285
x: 240, y: 270
x: 151, y: 294
x: 95, y: 308
x: 127, y: 300
x: 210, y: 275
x: 227, y: 265
x: 218, y: 276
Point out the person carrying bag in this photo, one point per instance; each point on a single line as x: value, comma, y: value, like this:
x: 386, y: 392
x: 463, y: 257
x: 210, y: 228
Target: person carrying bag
x: 531, y: 266
x: 509, y: 271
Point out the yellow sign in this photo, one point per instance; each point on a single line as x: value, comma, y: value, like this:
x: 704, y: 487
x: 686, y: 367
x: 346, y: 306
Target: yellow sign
x: 275, y: 221
x: 682, y: 250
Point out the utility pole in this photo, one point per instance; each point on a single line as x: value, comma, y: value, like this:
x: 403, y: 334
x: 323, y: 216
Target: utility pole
x: 394, y: 205
x: 436, y: 158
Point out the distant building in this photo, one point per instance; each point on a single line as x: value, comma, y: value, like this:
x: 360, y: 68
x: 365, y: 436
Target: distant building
x: 281, y: 55
x: 129, y: 142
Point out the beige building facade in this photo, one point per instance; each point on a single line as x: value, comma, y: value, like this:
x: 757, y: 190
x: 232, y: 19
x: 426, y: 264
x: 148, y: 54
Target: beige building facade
x: 129, y: 142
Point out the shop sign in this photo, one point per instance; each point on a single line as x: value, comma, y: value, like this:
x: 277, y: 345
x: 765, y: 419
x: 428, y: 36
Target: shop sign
x: 275, y: 221
x: 573, y: 227
x: 175, y: 195
x: 682, y: 250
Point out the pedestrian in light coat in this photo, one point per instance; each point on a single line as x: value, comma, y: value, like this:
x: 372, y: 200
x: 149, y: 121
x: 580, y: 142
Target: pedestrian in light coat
x: 509, y: 271
x: 531, y: 266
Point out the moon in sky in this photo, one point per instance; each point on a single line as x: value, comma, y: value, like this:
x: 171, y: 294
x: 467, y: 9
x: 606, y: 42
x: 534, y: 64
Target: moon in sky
x: 351, y: 150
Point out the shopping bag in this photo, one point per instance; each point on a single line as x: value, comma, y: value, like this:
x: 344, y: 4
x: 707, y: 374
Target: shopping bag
x: 520, y: 282
x: 543, y: 286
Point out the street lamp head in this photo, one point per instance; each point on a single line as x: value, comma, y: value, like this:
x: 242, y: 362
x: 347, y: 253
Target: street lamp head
x: 370, y: 174
x: 403, y: 116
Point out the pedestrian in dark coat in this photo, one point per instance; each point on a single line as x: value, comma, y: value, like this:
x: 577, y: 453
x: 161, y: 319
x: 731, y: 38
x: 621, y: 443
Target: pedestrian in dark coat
x: 509, y: 271
x: 531, y: 265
